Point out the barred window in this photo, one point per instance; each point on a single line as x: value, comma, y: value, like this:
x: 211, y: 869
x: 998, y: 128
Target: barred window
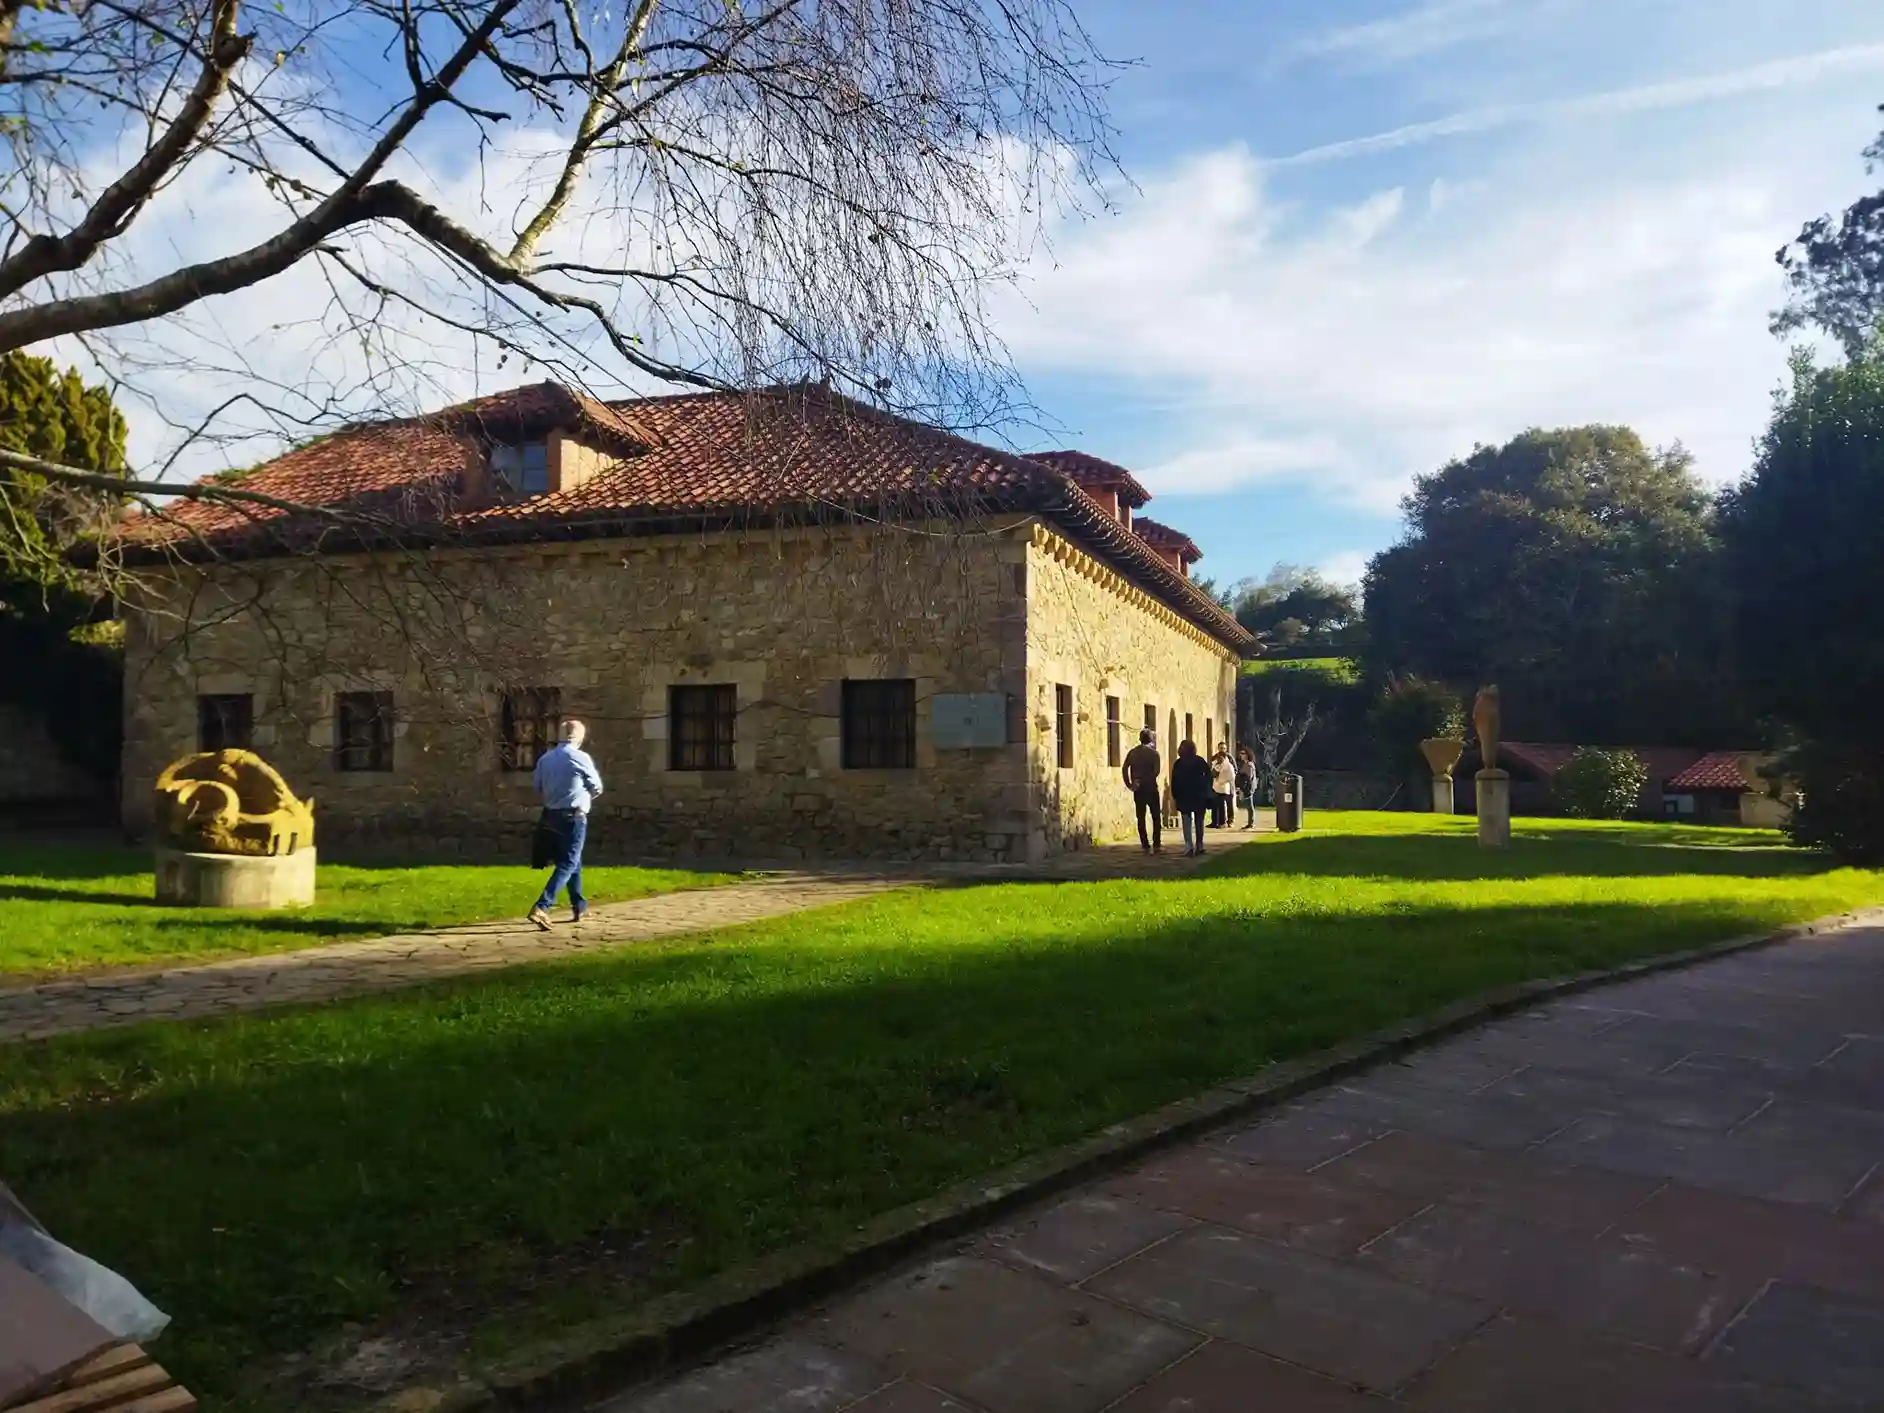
x: 225, y: 721
x: 1151, y: 718
x: 878, y: 723
x: 700, y: 723
x: 363, y: 731
x: 1063, y: 724
x: 1114, y: 731
x: 530, y: 719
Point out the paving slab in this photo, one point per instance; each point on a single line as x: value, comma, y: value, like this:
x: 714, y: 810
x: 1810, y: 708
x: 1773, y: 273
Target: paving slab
x: 1007, y: 1341
x: 1293, y: 1208
x: 1527, y: 1366
x: 1765, y: 1240
x: 789, y: 1376
x: 1333, y: 1317
x: 1081, y: 1237
x: 1226, y: 1378
x: 1630, y: 1199
x: 1587, y: 1200
x: 1819, y: 1341
x: 1627, y: 1291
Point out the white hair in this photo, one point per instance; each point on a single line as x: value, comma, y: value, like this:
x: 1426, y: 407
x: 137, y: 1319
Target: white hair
x: 572, y: 732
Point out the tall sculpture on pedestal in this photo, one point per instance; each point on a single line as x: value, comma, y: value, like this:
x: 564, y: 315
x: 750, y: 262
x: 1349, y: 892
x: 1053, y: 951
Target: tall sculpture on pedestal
x: 1493, y: 784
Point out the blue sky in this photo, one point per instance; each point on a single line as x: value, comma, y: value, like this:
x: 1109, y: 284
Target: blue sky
x: 1369, y: 234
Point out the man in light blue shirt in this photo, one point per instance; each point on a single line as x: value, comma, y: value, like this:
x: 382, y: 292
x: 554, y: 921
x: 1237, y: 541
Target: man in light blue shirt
x: 567, y: 783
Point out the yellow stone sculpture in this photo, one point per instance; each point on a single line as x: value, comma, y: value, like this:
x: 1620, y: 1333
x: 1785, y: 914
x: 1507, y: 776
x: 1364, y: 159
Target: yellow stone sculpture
x: 231, y: 802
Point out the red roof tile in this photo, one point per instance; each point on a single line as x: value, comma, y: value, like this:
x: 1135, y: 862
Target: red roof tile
x: 1161, y: 536
x: 1090, y: 470
x: 718, y: 455
x: 1717, y: 770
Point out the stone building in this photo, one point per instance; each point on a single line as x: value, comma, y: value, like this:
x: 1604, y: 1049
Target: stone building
x: 795, y: 626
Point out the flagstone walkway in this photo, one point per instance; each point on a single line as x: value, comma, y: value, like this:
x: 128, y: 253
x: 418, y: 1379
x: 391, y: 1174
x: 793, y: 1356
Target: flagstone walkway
x: 376, y: 964
x: 1663, y: 1196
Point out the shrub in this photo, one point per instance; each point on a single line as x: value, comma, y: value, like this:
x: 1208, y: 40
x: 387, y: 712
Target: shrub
x: 1841, y: 801
x: 1410, y: 710
x: 1599, y: 784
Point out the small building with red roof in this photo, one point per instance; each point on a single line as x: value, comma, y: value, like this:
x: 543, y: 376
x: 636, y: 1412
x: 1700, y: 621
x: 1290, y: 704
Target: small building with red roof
x: 795, y: 625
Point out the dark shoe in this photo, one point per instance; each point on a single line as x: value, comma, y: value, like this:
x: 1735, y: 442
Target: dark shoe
x: 540, y: 918
x: 578, y: 914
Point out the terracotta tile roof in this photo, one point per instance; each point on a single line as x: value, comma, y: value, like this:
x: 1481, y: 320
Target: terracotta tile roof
x: 542, y: 406
x: 696, y: 457
x: 1162, y: 536
x: 1717, y: 770
x: 1546, y: 760
x: 717, y: 452
x: 1090, y: 470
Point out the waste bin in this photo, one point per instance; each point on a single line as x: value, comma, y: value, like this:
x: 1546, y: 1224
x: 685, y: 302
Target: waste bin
x: 1289, y: 804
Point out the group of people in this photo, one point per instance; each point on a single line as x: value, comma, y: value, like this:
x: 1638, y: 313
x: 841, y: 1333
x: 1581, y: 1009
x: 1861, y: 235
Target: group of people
x: 1197, y: 787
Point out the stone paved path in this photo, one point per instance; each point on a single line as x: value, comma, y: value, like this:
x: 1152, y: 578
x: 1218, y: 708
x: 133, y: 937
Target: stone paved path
x: 1663, y: 1196
x: 387, y: 963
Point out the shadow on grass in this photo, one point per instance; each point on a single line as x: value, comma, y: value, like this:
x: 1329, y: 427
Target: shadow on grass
x: 1536, y: 853
x: 266, y: 1179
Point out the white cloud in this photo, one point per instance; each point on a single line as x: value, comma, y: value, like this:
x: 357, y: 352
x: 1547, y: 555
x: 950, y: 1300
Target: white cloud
x: 1347, y: 349
x: 1406, y: 35
x: 1345, y: 567
x: 1674, y: 93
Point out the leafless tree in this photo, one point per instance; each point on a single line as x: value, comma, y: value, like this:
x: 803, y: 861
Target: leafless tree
x: 700, y: 192
x: 1278, y: 739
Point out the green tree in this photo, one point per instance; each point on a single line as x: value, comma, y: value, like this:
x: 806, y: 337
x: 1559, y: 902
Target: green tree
x: 53, y: 414
x: 1410, y: 710
x: 1577, y: 568
x: 1299, y: 612
x: 1808, y: 581
x: 74, y: 686
x: 1836, y: 269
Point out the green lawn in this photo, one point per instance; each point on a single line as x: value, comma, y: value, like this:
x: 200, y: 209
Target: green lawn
x: 1338, y: 669
x: 622, y: 1122
x: 66, y: 908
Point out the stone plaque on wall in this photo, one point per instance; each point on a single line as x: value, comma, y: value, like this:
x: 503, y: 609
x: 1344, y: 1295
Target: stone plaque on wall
x: 967, y: 721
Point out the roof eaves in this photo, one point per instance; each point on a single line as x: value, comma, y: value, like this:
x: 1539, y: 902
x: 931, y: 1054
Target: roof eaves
x: 1087, y: 518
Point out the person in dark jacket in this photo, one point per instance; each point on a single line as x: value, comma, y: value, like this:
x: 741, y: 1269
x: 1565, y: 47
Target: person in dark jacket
x: 1141, y: 771
x: 1194, y: 792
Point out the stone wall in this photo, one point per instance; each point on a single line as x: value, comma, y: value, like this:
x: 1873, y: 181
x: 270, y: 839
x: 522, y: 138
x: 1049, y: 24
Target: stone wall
x: 1089, y: 629
x: 34, y: 773
x: 612, y: 624
x: 784, y: 617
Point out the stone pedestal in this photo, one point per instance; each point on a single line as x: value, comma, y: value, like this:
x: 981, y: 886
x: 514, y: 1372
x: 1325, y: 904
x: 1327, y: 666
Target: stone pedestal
x: 1494, y: 809
x: 192, y: 880
x: 1442, y: 794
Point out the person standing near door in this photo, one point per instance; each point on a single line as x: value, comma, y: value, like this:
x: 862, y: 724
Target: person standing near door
x: 1143, y: 772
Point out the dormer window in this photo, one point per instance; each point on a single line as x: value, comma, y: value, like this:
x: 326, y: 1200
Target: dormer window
x: 521, y: 468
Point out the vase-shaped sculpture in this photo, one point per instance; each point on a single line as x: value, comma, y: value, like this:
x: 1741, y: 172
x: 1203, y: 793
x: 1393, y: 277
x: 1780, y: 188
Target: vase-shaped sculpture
x: 1442, y: 754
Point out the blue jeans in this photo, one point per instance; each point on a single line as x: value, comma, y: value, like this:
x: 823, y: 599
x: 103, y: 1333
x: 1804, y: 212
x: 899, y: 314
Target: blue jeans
x: 1193, y: 821
x: 568, y: 868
